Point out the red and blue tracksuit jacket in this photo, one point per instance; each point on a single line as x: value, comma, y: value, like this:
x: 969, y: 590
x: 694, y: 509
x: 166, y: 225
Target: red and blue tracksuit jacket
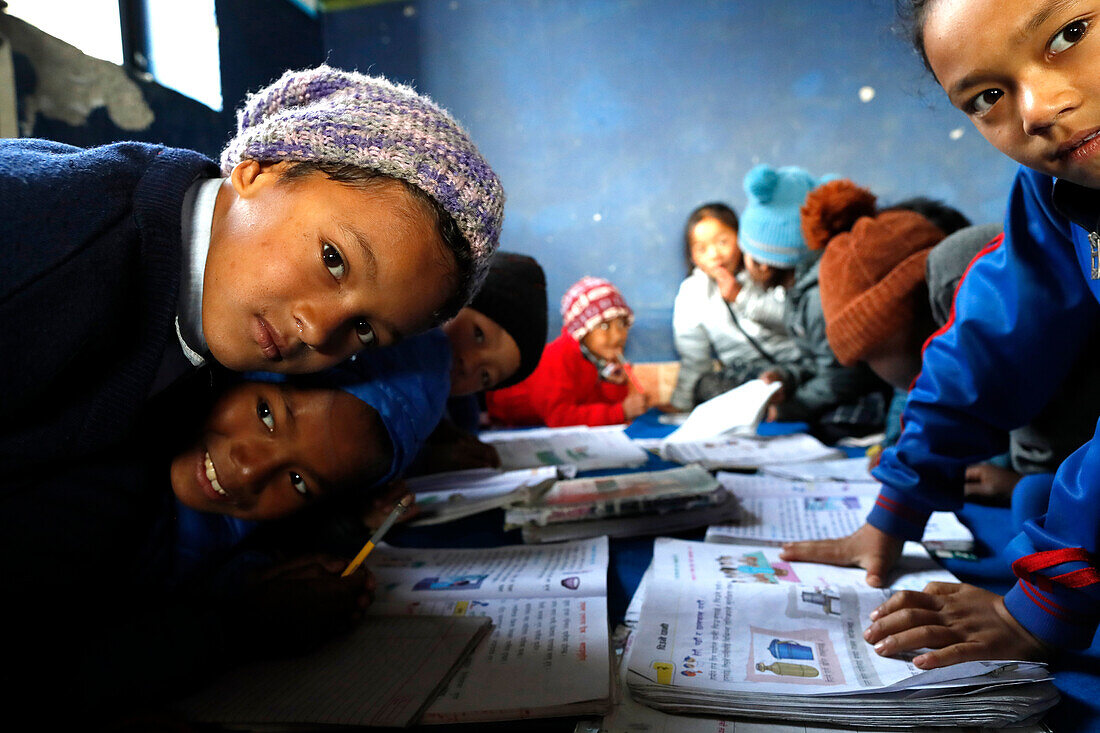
x: 1023, y: 313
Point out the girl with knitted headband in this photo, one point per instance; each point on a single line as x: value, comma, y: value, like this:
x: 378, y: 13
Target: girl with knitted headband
x: 1024, y: 72
x: 581, y: 378
x: 148, y: 537
x: 353, y: 212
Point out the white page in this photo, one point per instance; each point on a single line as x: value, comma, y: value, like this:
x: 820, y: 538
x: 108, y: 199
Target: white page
x: 549, y: 647
x: 746, y: 485
x: 585, y: 448
x: 749, y: 452
x: 842, y: 469
x: 416, y: 575
x: 739, y: 409
x: 778, y: 519
x: 739, y: 619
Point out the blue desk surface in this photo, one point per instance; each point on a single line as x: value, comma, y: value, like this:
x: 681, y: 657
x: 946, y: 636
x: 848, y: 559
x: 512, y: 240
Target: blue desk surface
x: 1077, y: 675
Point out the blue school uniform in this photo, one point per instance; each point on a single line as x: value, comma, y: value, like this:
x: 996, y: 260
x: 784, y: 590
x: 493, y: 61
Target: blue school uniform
x: 88, y: 290
x: 1023, y: 315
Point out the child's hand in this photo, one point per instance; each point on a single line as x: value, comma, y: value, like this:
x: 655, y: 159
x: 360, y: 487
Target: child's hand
x: 633, y: 405
x: 726, y: 282
x: 960, y: 622
x: 780, y: 395
x: 380, y: 507
x: 299, y: 603
x: 990, y: 484
x: 867, y: 547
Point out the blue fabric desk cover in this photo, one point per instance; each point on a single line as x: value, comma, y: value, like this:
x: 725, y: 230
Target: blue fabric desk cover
x: 1077, y: 675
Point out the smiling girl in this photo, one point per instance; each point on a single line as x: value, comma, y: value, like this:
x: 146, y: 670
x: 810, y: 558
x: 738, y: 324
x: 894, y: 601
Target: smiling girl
x: 147, y: 540
x: 1027, y: 74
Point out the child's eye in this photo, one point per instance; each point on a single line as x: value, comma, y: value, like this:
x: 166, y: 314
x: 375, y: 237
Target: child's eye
x: 479, y: 335
x: 984, y: 101
x: 333, y: 261
x: 263, y: 411
x: 365, y: 332
x: 1068, y: 36
x: 299, y: 483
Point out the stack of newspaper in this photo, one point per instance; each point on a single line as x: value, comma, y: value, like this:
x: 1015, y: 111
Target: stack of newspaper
x: 624, y: 505
x: 734, y: 631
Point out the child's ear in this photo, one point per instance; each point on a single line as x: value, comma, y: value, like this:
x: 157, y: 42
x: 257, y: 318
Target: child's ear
x: 250, y: 176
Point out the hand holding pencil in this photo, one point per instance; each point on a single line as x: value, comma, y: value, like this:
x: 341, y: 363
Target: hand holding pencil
x: 403, y: 505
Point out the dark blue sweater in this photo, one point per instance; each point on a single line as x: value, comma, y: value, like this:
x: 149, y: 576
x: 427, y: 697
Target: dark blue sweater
x: 88, y: 287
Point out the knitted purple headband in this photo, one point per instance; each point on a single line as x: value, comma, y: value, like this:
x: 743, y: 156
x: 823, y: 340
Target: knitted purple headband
x: 329, y: 115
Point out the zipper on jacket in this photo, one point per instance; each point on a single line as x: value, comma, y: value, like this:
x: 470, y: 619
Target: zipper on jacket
x: 1094, y: 247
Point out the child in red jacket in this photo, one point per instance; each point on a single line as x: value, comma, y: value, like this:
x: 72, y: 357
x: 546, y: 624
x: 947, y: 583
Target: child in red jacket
x: 580, y: 379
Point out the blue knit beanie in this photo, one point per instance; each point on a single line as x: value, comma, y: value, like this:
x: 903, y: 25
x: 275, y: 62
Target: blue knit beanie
x: 771, y: 226
x: 407, y: 384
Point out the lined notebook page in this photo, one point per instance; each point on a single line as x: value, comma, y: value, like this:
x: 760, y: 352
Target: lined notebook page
x: 384, y: 673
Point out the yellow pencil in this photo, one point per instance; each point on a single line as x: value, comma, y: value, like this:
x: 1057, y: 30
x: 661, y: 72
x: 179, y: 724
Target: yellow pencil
x: 405, y: 503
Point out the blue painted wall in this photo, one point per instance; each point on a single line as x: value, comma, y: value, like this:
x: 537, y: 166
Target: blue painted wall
x: 609, y: 121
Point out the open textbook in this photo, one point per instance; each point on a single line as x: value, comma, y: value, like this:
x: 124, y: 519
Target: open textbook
x: 630, y: 716
x: 580, y: 446
x: 748, y: 452
x: 738, y: 410
x: 444, y: 497
x: 548, y: 654
x: 734, y: 631
x: 777, y: 510
x: 384, y: 673
x: 624, y: 505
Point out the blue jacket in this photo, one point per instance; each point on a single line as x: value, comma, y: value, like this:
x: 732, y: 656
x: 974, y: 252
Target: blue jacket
x: 89, y: 277
x: 1022, y: 315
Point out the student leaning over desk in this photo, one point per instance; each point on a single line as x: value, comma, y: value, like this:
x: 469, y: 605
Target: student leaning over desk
x: 352, y: 212
x: 127, y: 575
x: 1025, y: 74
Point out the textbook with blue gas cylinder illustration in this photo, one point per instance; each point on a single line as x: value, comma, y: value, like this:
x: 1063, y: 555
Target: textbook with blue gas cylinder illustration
x: 733, y: 631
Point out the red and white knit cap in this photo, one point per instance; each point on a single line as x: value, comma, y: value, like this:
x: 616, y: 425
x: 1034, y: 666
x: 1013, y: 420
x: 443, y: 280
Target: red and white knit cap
x: 589, y: 302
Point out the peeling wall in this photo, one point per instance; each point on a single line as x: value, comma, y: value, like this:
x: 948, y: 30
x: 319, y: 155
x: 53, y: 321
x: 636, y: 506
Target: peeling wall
x: 62, y: 94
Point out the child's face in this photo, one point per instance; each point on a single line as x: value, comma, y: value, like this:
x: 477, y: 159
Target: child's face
x: 714, y: 245
x: 1026, y: 73
x: 608, y: 339
x: 269, y: 450
x: 763, y: 275
x: 482, y: 353
x: 303, y: 274
x: 897, y: 360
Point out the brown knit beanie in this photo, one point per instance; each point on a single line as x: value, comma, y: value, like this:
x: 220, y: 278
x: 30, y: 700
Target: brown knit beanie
x: 871, y: 267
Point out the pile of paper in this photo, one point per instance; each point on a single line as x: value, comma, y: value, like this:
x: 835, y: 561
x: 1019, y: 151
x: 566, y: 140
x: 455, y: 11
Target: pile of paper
x: 624, y: 505
x: 734, y: 631
x: 582, y: 447
x: 445, y: 497
x: 747, y: 452
x: 777, y: 510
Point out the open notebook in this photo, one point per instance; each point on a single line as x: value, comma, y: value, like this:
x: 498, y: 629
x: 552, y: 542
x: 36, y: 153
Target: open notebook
x: 384, y: 673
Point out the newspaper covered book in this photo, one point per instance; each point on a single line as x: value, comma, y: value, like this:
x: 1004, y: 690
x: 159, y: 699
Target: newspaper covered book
x: 734, y: 631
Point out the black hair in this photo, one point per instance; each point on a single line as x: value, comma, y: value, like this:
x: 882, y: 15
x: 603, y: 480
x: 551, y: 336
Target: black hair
x: 713, y: 210
x: 913, y: 14
x: 947, y: 218
x: 452, y: 238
